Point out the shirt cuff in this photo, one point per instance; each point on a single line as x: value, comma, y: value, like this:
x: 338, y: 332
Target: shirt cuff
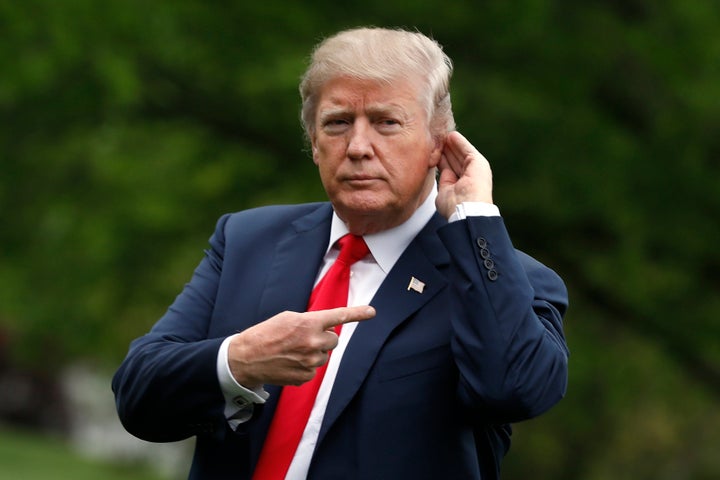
x: 239, y: 400
x: 474, y: 209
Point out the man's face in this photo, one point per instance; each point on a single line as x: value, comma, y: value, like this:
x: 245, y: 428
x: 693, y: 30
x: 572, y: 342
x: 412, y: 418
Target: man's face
x: 374, y: 151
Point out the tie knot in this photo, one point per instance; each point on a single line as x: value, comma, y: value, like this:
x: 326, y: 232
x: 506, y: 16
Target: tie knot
x: 352, y: 249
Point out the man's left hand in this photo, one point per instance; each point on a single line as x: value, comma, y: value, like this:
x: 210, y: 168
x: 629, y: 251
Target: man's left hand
x: 465, y: 175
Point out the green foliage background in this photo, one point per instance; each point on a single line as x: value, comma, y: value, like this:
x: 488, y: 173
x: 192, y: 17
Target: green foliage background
x: 129, y: 126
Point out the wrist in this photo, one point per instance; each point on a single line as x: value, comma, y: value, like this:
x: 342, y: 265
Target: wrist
x: 239, y: 367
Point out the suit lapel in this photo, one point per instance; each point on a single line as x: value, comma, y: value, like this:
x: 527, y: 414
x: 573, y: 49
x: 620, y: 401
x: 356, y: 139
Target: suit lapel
x: 394, y: 303
x: 295, y: 264
x: 290, y: 280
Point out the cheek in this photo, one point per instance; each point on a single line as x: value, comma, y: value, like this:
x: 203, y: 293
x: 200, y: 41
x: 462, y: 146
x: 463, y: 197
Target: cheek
x: 329, y: 158
x: 325, y: 148
x: 327, y: 170
x: 412, y: 168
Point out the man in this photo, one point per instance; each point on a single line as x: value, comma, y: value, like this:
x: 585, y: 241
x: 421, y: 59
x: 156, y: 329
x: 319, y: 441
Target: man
x: 449, y: 333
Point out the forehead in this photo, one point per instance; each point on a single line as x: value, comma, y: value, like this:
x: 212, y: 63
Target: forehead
x: 342, y: 93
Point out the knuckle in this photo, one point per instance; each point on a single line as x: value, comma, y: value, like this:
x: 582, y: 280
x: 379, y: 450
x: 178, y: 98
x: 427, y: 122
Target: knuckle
x: 301, y: 375
x: 316, y: 343
x: 307, y: 376
x: 314, y: 361
x: 307, y: 363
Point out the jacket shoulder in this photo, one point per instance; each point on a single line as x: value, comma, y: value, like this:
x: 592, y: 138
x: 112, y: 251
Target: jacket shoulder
x: 270, y: 217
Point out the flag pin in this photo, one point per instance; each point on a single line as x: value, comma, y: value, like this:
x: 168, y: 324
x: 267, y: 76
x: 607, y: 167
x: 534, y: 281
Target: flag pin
x: 416, y: 285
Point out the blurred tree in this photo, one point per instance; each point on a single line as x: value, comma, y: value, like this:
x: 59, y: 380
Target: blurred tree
x: 129, y: 127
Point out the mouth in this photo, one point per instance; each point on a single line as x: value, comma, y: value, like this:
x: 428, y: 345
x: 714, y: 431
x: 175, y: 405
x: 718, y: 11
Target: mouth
x: 360, y: 177
x: 361, y: 180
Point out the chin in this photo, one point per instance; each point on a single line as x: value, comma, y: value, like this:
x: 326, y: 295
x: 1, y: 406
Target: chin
x: 369, y: 217
x: 368, y: 203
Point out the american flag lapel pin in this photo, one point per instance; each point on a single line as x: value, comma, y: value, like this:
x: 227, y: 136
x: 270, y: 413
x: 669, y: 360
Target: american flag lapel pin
x: 416, y: 285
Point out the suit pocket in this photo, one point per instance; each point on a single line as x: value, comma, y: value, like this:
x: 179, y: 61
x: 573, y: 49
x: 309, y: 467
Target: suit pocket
x: 414, y: 363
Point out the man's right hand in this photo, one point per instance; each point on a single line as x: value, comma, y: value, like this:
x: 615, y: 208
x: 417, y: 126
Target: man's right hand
x: 288, y: 348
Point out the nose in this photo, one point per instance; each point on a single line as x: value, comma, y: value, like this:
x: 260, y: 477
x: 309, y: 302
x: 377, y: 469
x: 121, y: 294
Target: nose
x: 359, y: 141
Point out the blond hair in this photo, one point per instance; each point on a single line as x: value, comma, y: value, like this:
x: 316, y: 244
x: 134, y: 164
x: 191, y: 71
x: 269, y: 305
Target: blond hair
x: 383, y: 55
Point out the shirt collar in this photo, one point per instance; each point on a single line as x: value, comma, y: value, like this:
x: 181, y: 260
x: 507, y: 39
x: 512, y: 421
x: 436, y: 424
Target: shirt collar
x: 387, y: 246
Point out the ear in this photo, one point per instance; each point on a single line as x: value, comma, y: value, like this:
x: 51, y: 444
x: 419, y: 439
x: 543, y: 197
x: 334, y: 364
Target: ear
x: 437, y: 150
x: 313, y: 144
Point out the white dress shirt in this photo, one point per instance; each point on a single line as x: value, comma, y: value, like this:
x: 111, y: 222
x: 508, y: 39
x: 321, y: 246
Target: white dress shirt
x: 366, y: 276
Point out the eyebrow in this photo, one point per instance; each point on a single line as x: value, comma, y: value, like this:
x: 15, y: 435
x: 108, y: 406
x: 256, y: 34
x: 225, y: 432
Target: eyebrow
x: 372, y: 110
x: 332, y: 112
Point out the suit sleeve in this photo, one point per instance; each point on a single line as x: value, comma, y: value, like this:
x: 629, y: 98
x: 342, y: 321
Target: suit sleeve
x: 167, y: 389
x: 508, y: 340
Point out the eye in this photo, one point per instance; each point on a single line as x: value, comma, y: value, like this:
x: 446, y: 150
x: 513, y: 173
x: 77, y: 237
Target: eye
x: 388, y: 124
x: 335, y: 125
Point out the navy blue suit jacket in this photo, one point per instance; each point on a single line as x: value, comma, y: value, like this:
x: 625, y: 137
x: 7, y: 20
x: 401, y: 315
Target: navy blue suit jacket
x: 425, y: 390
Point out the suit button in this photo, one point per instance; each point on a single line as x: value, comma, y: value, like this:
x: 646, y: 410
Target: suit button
x: 481, y: 242
x: 489, y: 264
x: 485, y: 253
x: 492, y: 275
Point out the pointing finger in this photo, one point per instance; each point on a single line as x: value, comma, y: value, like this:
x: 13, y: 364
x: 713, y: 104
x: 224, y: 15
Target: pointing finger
x: 339, y: 316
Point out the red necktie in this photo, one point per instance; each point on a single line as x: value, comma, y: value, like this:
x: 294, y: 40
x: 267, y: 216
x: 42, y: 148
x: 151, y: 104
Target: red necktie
x: 295, y: 403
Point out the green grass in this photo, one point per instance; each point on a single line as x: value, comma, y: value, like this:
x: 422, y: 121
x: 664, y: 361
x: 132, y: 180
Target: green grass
x: 26, y: 456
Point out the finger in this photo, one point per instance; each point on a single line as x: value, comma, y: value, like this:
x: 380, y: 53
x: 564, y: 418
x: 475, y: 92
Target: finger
x: 321, y: 360
x: 339, y: 316
x: 447, y: 174
x: 316, y: 360
x: 460, y: 152
x: 328, y: 341
x: 460, y: 146
x: 298, y: 378
x: 454, y: 155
